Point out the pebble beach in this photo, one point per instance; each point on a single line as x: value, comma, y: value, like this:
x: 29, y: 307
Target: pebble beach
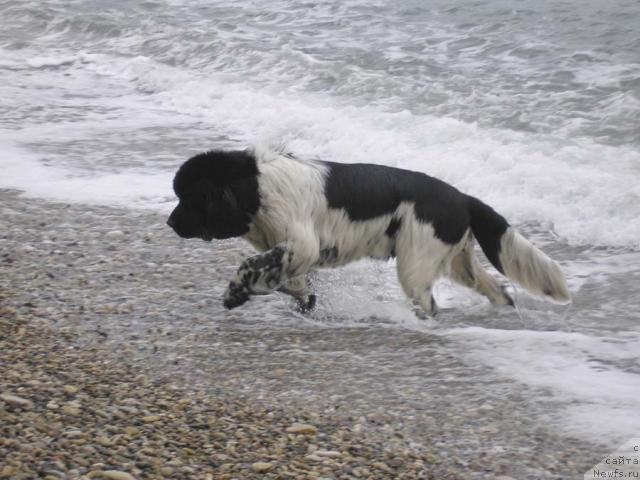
x: 118, y: 361
x: 70, y: 413
x: 74, y: 405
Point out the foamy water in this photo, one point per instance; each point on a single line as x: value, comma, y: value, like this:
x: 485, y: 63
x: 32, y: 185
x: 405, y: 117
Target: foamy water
x: 534, y: 109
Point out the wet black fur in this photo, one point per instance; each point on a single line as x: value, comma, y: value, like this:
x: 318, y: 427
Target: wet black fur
x: 487, y: 226
x: 218, y: 193
x: 367, y: 191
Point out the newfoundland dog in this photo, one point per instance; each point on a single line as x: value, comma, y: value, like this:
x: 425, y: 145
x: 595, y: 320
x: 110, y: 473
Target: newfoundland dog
x: 307, y: 214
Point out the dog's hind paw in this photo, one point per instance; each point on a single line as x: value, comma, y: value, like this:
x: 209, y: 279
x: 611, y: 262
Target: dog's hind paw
x: 426, y: 312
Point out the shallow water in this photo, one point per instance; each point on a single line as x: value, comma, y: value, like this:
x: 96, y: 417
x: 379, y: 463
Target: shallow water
x: 533, y: 108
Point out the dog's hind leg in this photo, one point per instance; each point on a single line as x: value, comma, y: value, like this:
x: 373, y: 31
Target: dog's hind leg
x: 467, y: 270
x: 419, y: 264
x: 417, y: 285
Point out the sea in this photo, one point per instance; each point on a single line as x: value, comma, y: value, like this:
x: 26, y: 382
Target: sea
x: 534, y: 107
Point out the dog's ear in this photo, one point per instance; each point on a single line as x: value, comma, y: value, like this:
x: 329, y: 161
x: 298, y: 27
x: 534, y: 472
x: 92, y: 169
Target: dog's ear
x: 243, y: 193
x: 230, y: 198
x: 225, y: 217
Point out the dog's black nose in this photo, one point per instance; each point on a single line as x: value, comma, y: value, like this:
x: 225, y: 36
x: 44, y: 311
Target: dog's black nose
x: 171, y: 223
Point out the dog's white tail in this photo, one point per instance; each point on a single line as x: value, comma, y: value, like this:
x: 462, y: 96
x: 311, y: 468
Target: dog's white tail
x: 531, y: 268
x: 514, y: 256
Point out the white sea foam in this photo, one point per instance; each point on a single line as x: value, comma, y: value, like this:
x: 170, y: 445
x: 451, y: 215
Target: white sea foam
x: 598, y: 401
x: 128, y: 188
x: 40, y: 62
x: 586, y: 191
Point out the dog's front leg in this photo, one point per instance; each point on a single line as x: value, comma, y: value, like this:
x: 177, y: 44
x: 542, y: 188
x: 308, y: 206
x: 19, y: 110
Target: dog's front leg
x: 298, y: 288
x: 266, y: 272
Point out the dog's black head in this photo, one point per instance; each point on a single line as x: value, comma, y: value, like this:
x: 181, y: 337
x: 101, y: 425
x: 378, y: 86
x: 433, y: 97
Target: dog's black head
x: 218, y: 195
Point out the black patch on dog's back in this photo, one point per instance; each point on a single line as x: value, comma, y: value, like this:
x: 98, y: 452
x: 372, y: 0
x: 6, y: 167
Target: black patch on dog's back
x: 368, y: 191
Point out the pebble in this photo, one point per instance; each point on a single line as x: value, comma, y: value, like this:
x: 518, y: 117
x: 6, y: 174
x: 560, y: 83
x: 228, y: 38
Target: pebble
x: 73, y: 434
x: 104, y: 441
x: 151, y: 418
x: 71, y: 410
x: 16, y: 401
x: 302, y: 429
x: 132, y: 431
x: 70, y: 389
x: 261, y: 467
x: 381, y: 466
x: 7, y: 471
x: 328, y: 453
x: 129, y: 410
x: 117, y: 475
x: 166, y: 471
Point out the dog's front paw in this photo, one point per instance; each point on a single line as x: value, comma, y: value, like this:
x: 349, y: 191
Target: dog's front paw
x: 306, y: 304
x: 235, y: 295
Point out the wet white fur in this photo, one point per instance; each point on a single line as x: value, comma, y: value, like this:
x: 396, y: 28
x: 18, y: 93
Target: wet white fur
x: 531, y: 268
x: 294, y: 213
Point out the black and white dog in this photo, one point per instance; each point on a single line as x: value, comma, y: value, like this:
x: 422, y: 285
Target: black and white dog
x: 302, y: 215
